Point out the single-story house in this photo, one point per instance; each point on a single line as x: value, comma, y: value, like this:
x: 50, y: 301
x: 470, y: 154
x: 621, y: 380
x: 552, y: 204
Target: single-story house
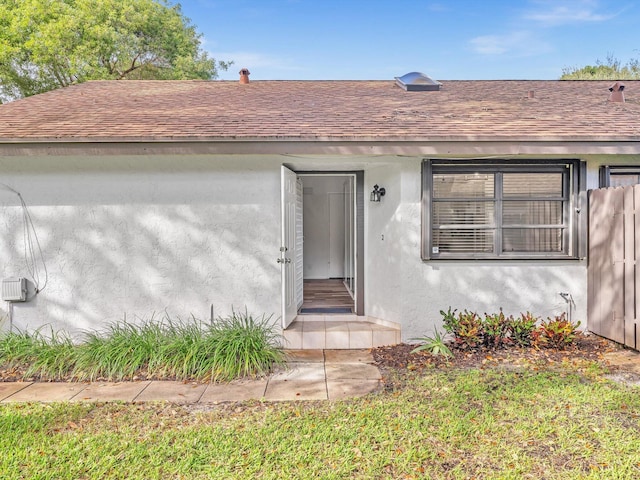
x: 412, y: 196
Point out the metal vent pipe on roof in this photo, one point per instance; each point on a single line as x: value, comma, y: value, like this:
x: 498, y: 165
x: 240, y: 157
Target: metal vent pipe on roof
x: 616, y: 92
x: 244, y: 75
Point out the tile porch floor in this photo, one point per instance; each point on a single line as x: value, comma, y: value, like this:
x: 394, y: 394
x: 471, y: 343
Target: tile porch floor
x: 339, y: 332
x: 336, y: 331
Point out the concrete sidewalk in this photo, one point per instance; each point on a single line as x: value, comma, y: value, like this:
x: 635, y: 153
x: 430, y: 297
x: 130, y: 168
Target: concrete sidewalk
x: 309, y: 375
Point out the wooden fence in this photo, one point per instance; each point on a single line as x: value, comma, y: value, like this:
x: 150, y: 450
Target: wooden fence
x: 613, y: 274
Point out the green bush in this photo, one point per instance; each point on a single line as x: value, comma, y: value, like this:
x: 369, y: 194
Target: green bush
x: 556, y: 332
x: 124, y: 350
x: 50, y: 357
x: 17, y: 348
x: 434, y: 345
x: 244, y: 346
x: 187, y: 351
x: 497, y: 330
x: 521, y: 329
x: 236, y: 346
x: 466, y: 327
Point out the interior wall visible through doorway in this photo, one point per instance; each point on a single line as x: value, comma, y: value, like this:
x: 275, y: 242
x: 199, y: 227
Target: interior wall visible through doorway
x: 324, y: 226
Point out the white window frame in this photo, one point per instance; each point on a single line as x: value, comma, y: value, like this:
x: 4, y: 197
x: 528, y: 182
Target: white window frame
x: 574, y: 195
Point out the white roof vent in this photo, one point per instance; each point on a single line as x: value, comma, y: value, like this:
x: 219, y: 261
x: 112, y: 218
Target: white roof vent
x: 417, y: 82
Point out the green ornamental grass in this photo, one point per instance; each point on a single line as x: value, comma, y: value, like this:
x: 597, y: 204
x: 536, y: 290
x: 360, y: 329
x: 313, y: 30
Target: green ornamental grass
x: 50, y: 357
x: 244, y: 346
x: 237, y: 346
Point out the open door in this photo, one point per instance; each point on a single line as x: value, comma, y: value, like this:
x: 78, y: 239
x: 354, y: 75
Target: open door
x: 290, y: 258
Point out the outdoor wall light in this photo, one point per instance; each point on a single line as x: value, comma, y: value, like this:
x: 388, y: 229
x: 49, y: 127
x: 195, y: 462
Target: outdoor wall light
x: 377, y: 194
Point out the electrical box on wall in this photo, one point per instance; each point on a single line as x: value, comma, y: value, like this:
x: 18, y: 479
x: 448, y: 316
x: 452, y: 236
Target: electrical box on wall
x: 14, y: 289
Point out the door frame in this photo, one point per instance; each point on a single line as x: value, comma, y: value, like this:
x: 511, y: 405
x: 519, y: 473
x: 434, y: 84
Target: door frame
x: 359, y: 197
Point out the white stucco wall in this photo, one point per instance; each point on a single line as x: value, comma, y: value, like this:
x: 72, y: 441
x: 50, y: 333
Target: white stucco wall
x: 403, y: 288
x: 138, y: 236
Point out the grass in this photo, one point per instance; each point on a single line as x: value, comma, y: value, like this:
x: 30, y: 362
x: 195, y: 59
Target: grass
x: 51, y: 356
x: 449, y: 424
x: 243, y: 347
x: 236, y: 346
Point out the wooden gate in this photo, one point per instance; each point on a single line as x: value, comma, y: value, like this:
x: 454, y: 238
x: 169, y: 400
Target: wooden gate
x: 613, y: 276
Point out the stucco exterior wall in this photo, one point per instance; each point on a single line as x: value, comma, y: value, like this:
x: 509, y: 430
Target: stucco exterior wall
x: 138, y: 236
x: 403, y: 288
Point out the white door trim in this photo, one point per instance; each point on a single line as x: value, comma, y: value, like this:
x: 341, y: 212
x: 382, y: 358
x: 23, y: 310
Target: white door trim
x: 357, y: 215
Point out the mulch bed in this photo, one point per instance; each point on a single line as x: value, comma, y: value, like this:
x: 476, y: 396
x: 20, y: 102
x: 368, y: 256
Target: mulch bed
x: 397, y: 360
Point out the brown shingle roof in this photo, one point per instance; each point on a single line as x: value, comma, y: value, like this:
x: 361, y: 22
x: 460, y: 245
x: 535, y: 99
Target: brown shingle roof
x: 325, y: 110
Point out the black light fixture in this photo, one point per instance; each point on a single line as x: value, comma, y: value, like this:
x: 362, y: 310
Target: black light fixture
x: 377, y: 194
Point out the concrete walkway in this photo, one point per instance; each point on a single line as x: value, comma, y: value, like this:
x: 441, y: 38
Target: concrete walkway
x: 309, y: 375
x: 627, y: 363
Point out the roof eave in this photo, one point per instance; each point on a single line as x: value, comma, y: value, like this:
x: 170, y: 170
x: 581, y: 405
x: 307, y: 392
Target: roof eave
x: 328, y: 139
x: 467, y: 146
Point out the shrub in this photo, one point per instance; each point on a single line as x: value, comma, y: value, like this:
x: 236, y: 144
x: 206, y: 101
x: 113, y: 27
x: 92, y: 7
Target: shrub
x: 121, y: 352
x: 434, y: 345
x: 236, y: 346
x: 244, y: 346
x: 556, y: 332
x: 449, y: 320
x: 49, y: 357
x: 466, y: 328
x: 16, y: 348
x: 521, y: 329
x: 53, y: 357
x: 187, y: 351
x: 496, y: 329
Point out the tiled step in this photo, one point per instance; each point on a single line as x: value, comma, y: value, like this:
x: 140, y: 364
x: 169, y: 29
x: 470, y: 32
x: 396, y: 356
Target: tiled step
x: 330, y: 332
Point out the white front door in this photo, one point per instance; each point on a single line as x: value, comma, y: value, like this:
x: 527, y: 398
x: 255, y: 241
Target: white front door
x: 289, y: 187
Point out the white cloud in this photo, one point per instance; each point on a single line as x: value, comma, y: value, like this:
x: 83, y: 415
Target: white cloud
x: 553, y: 14
x: 521, y: 44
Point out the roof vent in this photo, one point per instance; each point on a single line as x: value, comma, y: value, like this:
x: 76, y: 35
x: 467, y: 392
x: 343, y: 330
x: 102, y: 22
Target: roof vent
x: 417, y: 82
x: 616, y: 92
x: 244, y: 75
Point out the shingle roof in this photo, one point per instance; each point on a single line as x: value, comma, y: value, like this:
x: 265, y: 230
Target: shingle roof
x: 323, y: 110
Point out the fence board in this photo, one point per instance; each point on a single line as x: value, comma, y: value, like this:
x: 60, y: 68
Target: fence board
x: 614, y: 246
x: 596, y: 268
x: 628, y: 283
x: 615, y: 328
x: 631, y: 334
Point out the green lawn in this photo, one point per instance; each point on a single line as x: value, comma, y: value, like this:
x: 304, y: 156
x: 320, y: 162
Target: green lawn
x: 441, y: 424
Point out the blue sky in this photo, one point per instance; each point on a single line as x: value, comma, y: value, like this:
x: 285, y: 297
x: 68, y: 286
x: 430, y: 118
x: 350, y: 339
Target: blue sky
x: 382, y: 39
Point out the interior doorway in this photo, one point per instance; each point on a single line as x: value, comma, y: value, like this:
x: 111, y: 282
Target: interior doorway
x: 329, y: 243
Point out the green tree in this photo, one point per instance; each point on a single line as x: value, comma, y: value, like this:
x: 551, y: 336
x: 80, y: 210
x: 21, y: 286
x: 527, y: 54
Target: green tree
x: 47, y: 44
x: 612, y: 69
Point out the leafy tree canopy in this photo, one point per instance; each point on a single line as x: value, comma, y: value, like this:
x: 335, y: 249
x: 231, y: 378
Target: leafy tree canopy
x: 47, y: 44
x: 612, y: 69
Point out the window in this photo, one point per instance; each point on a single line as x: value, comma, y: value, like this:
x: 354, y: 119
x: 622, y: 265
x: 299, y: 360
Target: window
x: 612, y: 176
x: 501, y: 210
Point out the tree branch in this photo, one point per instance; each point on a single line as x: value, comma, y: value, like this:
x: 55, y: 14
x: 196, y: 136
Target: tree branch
x: 132, y: 68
